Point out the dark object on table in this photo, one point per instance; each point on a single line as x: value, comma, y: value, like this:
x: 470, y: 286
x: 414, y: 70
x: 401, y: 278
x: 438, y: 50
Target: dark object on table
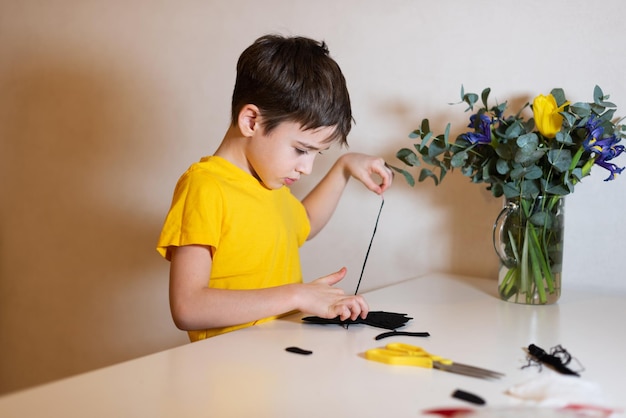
x: 468, y: 397
x: 298, y: 350
x: 551, y: 360
x: 378, y: 319
x: 395, y: 333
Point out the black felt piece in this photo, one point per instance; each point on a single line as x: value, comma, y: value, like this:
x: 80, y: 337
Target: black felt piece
x: 469, y: 397
x: 395, y: 333
x: 378, y: 319
x: 298, y: 350
x: 553, y: 361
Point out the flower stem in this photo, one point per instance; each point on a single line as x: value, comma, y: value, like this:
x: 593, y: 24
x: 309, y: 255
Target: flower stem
x: 536, y: 269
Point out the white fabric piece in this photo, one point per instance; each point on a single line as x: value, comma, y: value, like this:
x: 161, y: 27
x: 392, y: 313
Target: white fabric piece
x: 555, y: 390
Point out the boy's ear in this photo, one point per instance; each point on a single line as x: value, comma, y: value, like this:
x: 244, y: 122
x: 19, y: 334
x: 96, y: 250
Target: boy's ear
x: 249, y: 120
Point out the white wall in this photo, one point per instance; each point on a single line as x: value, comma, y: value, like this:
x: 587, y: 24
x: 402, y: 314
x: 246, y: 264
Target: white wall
x: 104, y: 103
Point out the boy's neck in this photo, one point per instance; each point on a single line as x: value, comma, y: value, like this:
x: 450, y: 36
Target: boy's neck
x: 232, y: 149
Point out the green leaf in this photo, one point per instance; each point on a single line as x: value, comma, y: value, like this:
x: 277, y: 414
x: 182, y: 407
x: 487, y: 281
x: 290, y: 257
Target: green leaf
x: 570, y: 120
x: 529, y: 189
x: 533, y: 172
x: 580, y: 109
x: 425, y: 127
x: 486, y: 173
x: 577, y: 173
x: 555, y: 188
x: 442, y: 174
x: 502, y: 166
x: 542, y: 219
x: 514, y: 130
x: 560, y: 159
x: 467, y: 171
x: 459, y: 159
x: 408, y: 157
x: 470, y: 99
x: 499, y: 110
x: 485, y: 96
x: 528, y: 140
x: 426, y: 173
x: 598, y: 98
x: 507, y: 150
x: 423, y: 145
x: 407, y: 176
x: 437, y: 147
x: 496, y: 189
x: 511, y: 190
x: 598, y: 95
x: 529, y: 152
x: 607, y: 116
x: 559, y: 96
x: 564, y: 138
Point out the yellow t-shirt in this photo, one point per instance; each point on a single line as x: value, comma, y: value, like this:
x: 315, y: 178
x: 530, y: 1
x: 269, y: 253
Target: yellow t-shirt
x: 254, y: 232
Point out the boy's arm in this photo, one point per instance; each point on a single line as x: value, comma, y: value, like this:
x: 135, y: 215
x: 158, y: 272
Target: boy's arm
x: 196, y: 306
x: 322, y: 201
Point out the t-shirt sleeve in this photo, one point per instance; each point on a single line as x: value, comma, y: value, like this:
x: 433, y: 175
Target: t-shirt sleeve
x: 195, y: 216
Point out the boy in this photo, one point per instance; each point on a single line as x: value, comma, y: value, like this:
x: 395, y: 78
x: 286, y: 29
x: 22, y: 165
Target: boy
x: 234, y: 229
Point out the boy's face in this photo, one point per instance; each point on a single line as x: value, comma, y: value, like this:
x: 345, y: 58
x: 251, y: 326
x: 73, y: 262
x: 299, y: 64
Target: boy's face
x: 288, y: 152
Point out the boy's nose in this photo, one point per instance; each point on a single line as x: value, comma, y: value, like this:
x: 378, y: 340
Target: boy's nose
x: 305, y: 167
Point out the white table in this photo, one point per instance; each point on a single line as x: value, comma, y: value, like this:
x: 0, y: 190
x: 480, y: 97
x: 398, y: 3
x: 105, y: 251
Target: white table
x: 248, y: 373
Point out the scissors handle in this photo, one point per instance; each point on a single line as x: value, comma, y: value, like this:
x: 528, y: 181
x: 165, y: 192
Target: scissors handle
x: 411, y: 350
x: 384, y: 355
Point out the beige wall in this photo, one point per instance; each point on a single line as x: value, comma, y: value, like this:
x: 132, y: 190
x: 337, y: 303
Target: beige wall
x: 104, y: 103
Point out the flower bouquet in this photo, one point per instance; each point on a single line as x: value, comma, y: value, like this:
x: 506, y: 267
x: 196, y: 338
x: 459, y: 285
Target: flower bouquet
x: 533, y: 163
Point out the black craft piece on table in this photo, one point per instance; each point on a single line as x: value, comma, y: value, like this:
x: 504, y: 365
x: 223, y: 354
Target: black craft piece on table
x: 395, y: 333
x: 467, y: 396
x: 551, y: 360
x: 378, y: 319
x: 298, y: 350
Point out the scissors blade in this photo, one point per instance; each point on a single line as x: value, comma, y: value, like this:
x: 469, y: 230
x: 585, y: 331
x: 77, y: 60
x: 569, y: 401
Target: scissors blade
x: 454, y: 368
x: 462, y: 366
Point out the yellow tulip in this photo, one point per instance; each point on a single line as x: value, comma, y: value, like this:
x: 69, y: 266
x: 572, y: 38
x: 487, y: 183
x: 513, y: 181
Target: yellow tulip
x: 547, y: 117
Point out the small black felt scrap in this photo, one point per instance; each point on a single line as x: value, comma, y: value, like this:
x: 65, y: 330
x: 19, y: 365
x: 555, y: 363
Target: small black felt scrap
x: 298, y: 350
x: 469, y: 397
x: 378, y: 319
x: 395, y: 333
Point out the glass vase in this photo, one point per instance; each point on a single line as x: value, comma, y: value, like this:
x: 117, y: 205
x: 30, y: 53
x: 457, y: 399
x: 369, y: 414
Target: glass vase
x: 528, y: 238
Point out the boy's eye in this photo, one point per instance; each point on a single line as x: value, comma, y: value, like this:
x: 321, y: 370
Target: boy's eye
x: 303, y: 151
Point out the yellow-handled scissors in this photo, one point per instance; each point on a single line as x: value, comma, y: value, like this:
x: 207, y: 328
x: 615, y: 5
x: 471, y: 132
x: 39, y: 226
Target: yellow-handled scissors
x: 400, y: 354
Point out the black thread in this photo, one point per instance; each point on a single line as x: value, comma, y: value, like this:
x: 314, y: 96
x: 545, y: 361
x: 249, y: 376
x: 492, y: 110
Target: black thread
x: 558, y: 359
x: 369, y: 247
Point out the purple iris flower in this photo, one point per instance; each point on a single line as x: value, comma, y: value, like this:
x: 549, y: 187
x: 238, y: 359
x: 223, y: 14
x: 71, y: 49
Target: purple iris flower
x: 614, y: 169
x: 482, y: 130
x: 605, y: 149
x: 595, y: 132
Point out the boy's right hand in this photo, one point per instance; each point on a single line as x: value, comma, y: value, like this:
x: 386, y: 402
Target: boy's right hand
x: 320, y: 298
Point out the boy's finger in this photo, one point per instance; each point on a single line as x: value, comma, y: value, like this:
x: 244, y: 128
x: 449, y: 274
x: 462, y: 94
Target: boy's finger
x: 336, y: 277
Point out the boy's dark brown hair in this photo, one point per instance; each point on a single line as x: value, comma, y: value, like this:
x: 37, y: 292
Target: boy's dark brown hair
x: 293, y: 79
